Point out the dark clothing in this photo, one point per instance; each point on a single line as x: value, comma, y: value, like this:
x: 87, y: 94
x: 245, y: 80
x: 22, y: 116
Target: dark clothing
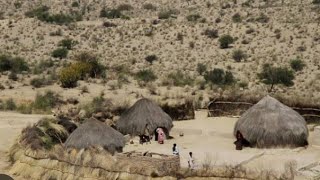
x: 238, y: 145
x: 144, y: 139
x: 241, y: 143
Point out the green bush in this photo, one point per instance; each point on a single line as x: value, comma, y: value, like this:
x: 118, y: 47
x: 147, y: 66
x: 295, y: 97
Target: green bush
x: 201, y: 68
x: 236, y: 18
x: 14, y: 64
x: 42, y: 66
x: 219, y: 77
x: 91, y: 63
x: 239, y: 55
x: 151, y: 58
x: 109, y: 24
x: 25, y: 108
x: 42, y: 13
x: 297, y: 64
x: 111, y: 13
x: 60, y: 19
x: 166, y: 14
x: 243, y: 84
x: 276, y: 75
x: 193, y: 17
x: 39, y: 82
x: 69, y: 77
x: 45, y: 102
x: 60, y: 53
x: 149, y: 6
x: 87, y: 65
x: 125, y: 7
x: 146, y: 76
x: 225, y: 40
x: 179, y: 79
x: 211, y: 33
x: 75, y: 4
x: 67, y: 43
x: 17, y: 5
x: 316, y: 2
x: 10, y: 105
x: 262, y: 18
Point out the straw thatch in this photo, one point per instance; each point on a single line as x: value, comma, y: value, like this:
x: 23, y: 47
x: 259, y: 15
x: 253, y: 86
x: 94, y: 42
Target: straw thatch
x: 93, y: 133
x: 270, y: 123
x: 143, y: 112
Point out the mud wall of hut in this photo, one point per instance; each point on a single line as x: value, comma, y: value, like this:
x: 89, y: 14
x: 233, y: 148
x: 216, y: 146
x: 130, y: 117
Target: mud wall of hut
x: 228, y: 108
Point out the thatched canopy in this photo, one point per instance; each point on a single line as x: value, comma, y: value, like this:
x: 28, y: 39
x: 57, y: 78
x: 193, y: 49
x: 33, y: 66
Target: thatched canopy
x: 270, y: 123
x: 143, y: 112
x: 93, y: 133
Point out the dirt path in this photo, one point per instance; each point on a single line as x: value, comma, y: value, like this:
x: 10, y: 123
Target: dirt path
x: 11, y: 124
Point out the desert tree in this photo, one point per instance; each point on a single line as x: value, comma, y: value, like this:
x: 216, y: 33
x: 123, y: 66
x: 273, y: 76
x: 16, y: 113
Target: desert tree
x: 271, y: 75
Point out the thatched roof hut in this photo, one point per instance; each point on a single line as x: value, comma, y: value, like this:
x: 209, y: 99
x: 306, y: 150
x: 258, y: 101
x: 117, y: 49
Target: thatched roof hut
x: 270, y: 123
x: 143, y: 112
x: 93, y: 133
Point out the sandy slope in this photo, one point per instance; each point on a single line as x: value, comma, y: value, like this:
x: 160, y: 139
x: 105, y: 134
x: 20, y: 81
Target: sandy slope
x: 11, y: 125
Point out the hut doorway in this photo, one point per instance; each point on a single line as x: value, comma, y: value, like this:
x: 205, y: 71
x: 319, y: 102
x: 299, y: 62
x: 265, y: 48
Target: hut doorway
x: 165, y: 130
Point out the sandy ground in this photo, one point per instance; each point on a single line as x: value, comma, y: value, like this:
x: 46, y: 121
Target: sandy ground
x: 11, y: 125
x: 211, y: 140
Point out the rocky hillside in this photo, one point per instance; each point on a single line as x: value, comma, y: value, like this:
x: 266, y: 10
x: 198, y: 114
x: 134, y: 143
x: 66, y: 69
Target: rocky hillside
x: 161, y: 45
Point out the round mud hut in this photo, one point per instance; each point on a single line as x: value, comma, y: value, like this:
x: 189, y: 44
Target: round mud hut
x: 144, y: 113
x: 94, y: 133
x: 270, y: 124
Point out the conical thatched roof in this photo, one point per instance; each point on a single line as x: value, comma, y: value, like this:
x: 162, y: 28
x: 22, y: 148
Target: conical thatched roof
x: 270, y: 123
x: 93, y: 133
x: 143, y: 112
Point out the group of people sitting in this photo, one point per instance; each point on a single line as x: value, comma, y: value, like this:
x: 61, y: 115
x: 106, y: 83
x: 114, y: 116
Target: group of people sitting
x: 147, y: 137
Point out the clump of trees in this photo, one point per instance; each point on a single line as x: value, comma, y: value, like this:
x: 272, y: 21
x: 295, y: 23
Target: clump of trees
x: 13, y: 64
x: 42, y: 13
x: 219, y: 77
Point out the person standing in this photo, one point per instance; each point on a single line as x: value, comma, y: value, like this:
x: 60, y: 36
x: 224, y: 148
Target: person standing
x: 175, y: 149
x: 191, y: 161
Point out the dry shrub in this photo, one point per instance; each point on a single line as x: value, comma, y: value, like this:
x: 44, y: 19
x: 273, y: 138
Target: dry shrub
x: 44, y: 134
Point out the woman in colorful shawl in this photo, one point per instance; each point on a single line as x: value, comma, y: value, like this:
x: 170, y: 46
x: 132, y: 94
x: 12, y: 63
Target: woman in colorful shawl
x: 161, y: 136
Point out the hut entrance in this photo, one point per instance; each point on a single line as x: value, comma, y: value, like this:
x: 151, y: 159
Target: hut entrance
x: 165, y: 130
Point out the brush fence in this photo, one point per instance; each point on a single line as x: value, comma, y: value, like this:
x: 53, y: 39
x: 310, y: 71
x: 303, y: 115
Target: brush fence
x: 229, y: 108
x: 90, y: 164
